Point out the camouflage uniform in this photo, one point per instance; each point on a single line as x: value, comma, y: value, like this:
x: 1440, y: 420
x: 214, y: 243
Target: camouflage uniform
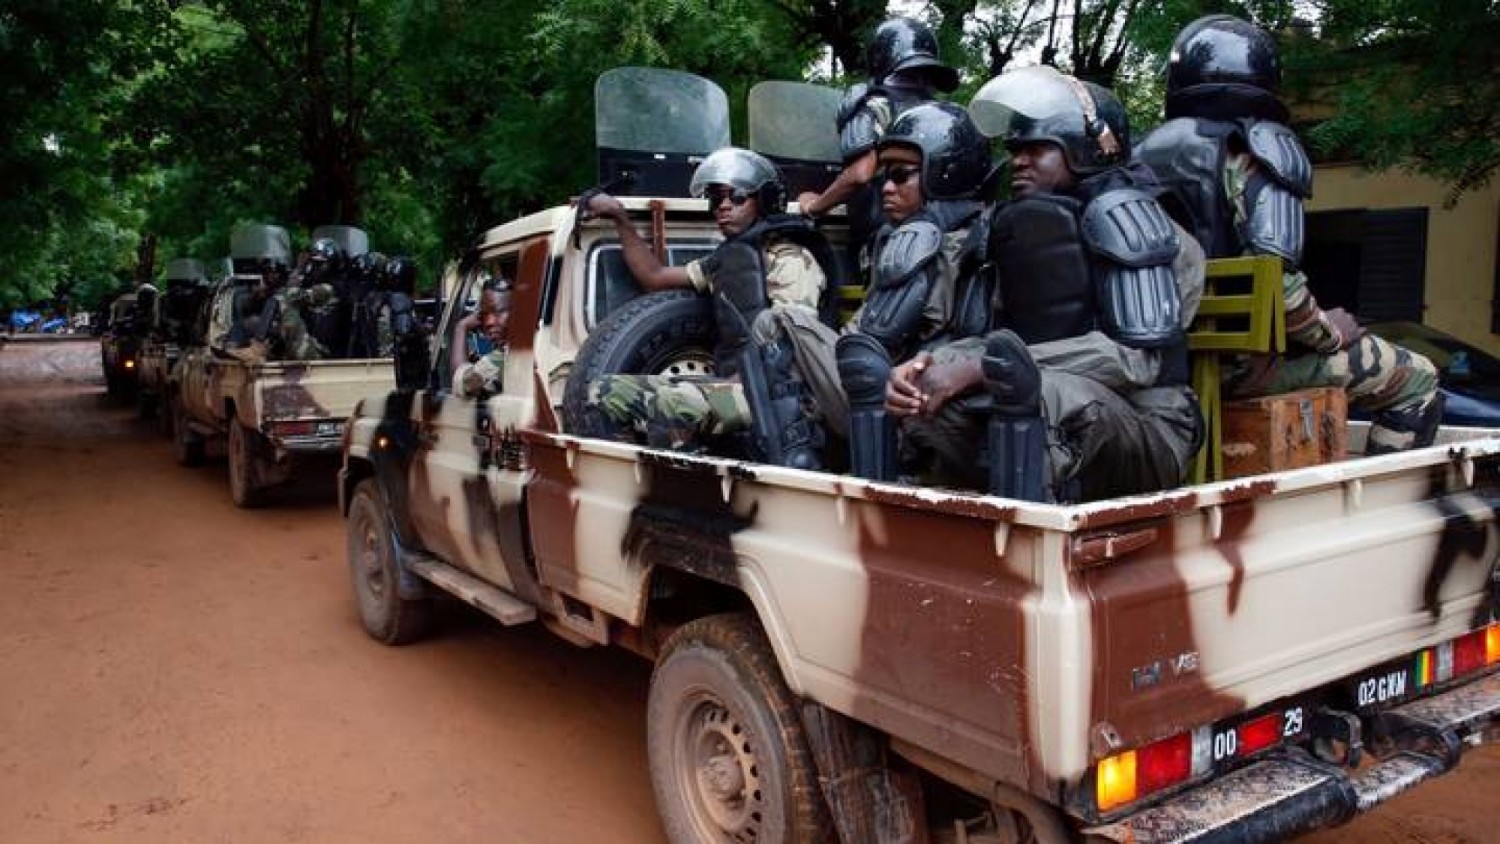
x: 484, y: 377
x: 1376, y: 374
x: 674, y: 411
x: 296, y: 342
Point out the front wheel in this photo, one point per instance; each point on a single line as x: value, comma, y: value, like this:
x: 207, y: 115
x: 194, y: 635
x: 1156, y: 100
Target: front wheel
x: 729, y: 759
x: 386, y: 616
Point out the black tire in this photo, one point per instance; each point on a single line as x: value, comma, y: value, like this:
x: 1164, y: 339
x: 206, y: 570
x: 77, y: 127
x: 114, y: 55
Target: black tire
x: 729, y: 758
x: 671, y: 332
x: 386, y: 616
x: 187, y: 446
x: 245, y: 485
x: 164, y: 423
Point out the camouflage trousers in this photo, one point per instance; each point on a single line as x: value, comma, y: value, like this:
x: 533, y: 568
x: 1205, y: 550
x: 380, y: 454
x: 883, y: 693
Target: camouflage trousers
x: 1393, y: 384
x: 1101, y: 442
x: 677, y: 412
x: 297, y: 342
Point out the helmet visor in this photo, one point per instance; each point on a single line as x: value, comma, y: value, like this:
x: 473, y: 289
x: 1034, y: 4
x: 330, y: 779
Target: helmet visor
x: 1033, y: 103
x: 739, y: 169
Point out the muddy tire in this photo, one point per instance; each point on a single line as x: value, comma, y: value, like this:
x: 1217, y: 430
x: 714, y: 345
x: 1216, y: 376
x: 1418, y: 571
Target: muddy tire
x: 729, y: 759
x: 245, y: 466
x: 187, y: 446
x: 164, y: 420
x: 386, y: 616
x: 666, y: 333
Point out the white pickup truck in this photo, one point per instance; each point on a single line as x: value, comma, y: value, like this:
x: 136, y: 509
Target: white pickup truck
x: 269, y: 415
x: 838, y: 659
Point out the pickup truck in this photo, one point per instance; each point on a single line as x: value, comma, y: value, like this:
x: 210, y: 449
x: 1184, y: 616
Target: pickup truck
x: 119, y: 348
x: 170, y: 320
x: 838, y: 659
x: 271, y: 415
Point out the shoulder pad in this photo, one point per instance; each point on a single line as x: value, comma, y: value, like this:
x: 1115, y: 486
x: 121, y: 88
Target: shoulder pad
x: 906, y: 250
x: 1277, y: 149
x: 854, y: 97
x: 1128, y: 227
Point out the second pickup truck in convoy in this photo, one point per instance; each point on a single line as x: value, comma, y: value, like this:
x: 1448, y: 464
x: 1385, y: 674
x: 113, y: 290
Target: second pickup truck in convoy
x: 269, y: 414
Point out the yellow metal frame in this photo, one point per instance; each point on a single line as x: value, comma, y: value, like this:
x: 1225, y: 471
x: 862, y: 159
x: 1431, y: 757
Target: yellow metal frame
x: 1262, y: 330
x: 849, y: 297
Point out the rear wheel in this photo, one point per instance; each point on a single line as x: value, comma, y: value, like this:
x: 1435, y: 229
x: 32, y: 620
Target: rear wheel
x: 246, y: 472
x: 386, y: 616
x: 187, y: 446
x: 729, y: 759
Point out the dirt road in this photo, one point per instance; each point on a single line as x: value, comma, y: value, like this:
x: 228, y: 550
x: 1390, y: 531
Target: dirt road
x: 175, y: 670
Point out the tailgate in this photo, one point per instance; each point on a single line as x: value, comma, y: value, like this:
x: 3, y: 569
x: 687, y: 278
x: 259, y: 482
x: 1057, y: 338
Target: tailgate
x: 1283, y: 609
x: 312, y: 391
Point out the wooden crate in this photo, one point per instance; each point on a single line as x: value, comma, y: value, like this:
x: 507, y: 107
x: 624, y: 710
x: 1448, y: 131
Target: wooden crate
x: 1288, y: 431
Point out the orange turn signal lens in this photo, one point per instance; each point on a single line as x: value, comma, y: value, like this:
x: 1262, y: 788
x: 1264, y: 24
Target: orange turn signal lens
x: 1492, y: 644
x: 1115, y: 781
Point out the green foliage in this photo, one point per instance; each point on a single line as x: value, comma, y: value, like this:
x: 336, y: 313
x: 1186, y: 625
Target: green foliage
x: 1414, y: 86
x: 427, y: 121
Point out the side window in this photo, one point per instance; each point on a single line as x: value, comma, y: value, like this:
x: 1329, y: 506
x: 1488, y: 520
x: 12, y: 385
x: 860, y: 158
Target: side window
x: 610, y: 282
x: 498, y: 269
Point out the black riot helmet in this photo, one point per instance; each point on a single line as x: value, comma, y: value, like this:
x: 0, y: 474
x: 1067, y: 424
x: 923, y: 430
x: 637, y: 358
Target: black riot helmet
x: 401, y: 274
x: 903, y: 44
x: 1042, y: 104
x: 1221, y: 68
x: 955, y: 154
x: 747, y: 172
x: 324, y: 251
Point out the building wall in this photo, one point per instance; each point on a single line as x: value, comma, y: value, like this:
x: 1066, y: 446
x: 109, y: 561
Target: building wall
x: 1461, y: 241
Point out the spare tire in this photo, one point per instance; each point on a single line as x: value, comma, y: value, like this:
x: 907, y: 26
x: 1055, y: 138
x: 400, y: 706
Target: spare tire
x: 666, y: 333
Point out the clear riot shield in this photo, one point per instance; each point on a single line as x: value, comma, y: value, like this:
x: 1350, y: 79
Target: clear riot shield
x: 252, y: 243
x: 181, y: 271
x: 653, y: 126
x: 351, y: 240
x: 795, y: 124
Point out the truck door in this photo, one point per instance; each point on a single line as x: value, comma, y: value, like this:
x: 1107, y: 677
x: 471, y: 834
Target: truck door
x: 469, y: 513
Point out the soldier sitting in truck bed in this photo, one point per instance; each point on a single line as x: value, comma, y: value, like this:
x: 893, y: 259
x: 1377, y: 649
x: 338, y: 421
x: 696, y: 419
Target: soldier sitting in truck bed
x: 768, y: 279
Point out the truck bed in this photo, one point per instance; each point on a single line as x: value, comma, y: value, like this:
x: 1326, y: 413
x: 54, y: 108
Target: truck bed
x: 1027, y: 642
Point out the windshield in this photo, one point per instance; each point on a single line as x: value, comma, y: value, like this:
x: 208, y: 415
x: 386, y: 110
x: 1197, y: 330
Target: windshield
x: 795, y: 120
x: 1459, y: 364
x: 659, y: 111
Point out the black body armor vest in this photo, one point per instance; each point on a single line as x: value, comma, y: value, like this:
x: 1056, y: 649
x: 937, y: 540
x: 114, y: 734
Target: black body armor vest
x: 1046, y: 288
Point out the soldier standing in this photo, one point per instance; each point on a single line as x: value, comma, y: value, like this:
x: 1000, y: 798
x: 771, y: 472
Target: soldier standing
x: 768, y: 280
x: 1237, y: 177
x: 904, y: 71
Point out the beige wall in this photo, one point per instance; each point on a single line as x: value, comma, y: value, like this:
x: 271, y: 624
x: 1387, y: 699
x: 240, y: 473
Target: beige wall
x: 1460, y: 241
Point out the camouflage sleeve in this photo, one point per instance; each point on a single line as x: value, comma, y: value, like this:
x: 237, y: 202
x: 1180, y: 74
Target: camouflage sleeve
x: 793, y: 276
x: 1306, y: 324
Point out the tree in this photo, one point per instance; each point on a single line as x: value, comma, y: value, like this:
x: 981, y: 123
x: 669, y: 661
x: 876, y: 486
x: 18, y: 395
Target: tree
x: 1413, y: 84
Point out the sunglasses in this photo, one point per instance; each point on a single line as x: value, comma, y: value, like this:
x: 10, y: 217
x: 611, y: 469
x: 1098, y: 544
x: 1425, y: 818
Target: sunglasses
x: 717, y: 195
x: 899, y: 174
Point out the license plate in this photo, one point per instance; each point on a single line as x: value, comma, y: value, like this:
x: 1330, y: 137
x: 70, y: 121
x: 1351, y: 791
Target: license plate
x: 1383, y: 686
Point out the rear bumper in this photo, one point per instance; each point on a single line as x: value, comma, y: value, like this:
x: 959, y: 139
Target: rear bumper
x: 1292, y: 793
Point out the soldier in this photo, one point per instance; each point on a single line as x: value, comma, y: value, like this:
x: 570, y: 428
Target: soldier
x: 768, y: 280
x: 934, y: 163
x: 1078, y: 385
x: 481, y: 373
x: 1237, y: 178
x: 904, y: 71
x: 395, y: 314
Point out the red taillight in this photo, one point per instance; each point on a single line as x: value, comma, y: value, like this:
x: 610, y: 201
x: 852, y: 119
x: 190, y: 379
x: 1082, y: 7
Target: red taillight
x: 1166, y: 762
x: 1260, y: 734
x: 1468, y: 653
